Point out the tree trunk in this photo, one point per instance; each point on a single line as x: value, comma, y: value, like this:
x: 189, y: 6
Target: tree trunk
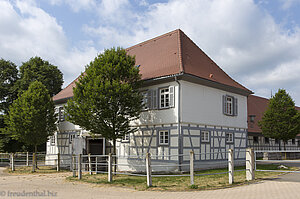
x: 115, y: 155
x: 279, y: 145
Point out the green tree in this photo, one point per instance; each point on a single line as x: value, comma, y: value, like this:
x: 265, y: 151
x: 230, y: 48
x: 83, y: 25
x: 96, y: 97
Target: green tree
x: 8, y: 78
x: 107, y: 98
x: 281, y: 120
x: 31, y: 117
x: 40, y: 70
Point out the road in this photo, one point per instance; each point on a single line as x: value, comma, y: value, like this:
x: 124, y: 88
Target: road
x: 55, y: 186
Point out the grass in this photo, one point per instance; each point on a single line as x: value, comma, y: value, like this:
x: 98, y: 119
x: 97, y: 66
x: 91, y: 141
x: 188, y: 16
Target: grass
x: 28, y: 170
x: 206, y: 182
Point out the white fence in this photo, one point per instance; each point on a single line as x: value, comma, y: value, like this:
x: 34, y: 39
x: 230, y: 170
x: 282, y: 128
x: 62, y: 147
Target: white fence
x: 150, y: 169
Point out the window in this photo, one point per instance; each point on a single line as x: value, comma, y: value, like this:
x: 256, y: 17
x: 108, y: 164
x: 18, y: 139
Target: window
x: 267, y: 140
x: 71, y: 138
x: 276, y: 141
x: 255, y: 140
x: 163, y: 137
x: 125, y: 138
x: 229, y: 137
x: 205, y: 136
x: 145, y: 100
x: 164, y: 98
x: 298, y: 142
x: 293, y: 141
x: 61, y: 115
x: 52, y: 140
x: 230, y: 105
x: 252, y: 117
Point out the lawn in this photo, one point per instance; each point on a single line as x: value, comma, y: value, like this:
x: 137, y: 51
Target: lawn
x: 28, y: 170
x: 165, y: 183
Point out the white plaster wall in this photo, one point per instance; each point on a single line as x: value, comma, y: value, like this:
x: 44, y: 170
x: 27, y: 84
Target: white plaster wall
x: 160, y: 116
x: 203, y: 105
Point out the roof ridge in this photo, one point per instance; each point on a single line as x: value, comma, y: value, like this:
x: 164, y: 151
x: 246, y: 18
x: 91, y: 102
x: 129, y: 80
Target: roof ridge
x: 150, y: 40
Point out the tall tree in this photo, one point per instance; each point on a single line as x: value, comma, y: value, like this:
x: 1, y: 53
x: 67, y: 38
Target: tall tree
x: 40, y: 70
x: 281, y: 120
x: 107, y: 98
x: 31, y: 117
x: 8, y: 78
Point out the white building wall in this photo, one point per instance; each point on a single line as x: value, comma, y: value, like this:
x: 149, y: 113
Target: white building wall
x: 204, y: 105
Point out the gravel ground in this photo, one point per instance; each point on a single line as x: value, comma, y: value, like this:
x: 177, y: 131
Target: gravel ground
x: 55, y: 186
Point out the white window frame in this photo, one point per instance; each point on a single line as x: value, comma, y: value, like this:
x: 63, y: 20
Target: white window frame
x: 164, y: 137
x: 145, y: 101
x: 71, y: 138
x: 205, y: 136
x: 61, y: 114
x: 164, y: 97
x: 52, y: 140
x: 126, y: 138
x: 229, y: 137
x: 229, y: 105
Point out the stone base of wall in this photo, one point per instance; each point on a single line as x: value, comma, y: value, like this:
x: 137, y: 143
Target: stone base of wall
x: 281, y: 155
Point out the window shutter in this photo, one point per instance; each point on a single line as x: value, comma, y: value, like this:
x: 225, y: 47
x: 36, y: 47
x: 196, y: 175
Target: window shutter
x: 224, y: 104
x: 155, y: 99
x: 171, y: 91
x: 235, y: 107
x: 149, y: 100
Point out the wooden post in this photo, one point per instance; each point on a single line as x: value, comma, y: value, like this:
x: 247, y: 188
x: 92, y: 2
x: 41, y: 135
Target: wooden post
x: 33, y: 162
x: 231, y: 166
x: 109, y: 177
x: 148, y: 169
x: 192, y: 167
x: 58, y: 162
x: 96, y: 165
x: 12, y: 161
x: 79, y: 167
x: 27, y: 159
x: 250, y: 175
x: 90, y: 164
x: 74, y: 165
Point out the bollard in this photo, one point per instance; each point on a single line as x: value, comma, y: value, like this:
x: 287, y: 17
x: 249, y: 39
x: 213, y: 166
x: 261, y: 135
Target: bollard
x: 90, y: 164
x: 33, y: 162
x: 12, y: 161
x: 58, y: 162
x: 79, y: 167
x: 148, y: 170
x: 27, y: 159
x: 250, y: 175
x: 230, y: 166
x: 109, y: 177
x: 192, y: 167
x: 74, y: 165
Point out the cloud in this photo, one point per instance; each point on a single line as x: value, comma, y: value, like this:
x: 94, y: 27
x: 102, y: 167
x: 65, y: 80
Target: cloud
x: 243, y: 39
x: 30, y: 31
x: 286, y: 4
x: 239, y: 35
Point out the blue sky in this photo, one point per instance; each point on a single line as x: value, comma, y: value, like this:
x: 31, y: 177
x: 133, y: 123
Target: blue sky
x: 255, y: 42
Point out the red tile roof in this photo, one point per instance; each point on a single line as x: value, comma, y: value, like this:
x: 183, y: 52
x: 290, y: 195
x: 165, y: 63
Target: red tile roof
x: 170, y: 54
x: 257, y: 106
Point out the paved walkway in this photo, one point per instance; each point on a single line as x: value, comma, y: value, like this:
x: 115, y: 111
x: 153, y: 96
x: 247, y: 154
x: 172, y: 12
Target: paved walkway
x: 54, y: 184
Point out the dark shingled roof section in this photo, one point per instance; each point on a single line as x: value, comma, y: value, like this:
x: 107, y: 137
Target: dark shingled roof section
x: 257, y: 106
x: 170, y: 54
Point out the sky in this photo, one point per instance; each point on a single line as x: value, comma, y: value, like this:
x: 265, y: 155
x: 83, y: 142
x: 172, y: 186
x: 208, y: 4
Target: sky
x: 256, y: 42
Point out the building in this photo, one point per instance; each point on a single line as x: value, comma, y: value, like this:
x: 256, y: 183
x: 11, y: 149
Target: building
x: 192, y: 104
x: 256, y: 108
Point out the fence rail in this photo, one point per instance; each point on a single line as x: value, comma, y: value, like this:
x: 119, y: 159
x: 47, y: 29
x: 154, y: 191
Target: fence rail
x: 145, y: 165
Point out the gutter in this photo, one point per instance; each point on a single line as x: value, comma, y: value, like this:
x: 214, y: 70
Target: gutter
x: 180, y: 158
